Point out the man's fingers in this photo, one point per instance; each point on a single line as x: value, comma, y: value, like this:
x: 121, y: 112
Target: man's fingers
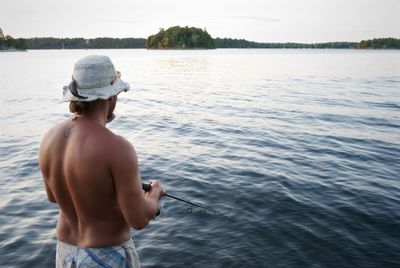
x: 163, y: 192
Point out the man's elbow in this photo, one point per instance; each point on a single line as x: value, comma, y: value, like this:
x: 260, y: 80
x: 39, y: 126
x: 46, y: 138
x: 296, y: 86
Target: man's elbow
x: 52, y: 199
x: 139, y: 224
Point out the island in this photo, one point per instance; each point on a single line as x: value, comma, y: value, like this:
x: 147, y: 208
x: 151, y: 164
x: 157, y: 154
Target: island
x: 180, y: 38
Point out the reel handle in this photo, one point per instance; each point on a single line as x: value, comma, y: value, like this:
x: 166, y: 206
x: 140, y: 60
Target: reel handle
x: 146, y: 187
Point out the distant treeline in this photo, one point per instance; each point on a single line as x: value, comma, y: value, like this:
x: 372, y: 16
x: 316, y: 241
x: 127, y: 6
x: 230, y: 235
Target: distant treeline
x: 180, y: 38
x: 11, y: 43
x: 380, y: 43
x: 81, y: 43
x: 7, y: 42
x: 241, y: 43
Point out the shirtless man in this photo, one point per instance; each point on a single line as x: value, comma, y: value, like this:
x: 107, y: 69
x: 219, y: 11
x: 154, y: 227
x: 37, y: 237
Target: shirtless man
x: 93, y: 175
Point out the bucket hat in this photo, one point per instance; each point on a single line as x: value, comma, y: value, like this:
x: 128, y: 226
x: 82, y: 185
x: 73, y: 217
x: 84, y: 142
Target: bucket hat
x: 94, y: 77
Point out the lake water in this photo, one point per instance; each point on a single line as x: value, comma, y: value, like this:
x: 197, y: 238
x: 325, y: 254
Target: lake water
x: 299, y: 149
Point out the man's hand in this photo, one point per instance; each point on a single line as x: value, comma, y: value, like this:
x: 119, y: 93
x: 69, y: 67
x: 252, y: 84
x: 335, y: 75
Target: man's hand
x: 156, y: 189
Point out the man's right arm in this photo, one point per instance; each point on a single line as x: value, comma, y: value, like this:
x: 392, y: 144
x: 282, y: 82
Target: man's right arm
x: 137, y: 208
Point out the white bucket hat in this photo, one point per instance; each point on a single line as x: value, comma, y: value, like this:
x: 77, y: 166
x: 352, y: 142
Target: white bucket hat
x: 94, y: 77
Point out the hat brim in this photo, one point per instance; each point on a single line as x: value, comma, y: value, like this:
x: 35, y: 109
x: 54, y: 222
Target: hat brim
x: 92, y: 94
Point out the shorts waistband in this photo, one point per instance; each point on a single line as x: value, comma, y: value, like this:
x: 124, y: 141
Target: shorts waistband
x: 123, y: 244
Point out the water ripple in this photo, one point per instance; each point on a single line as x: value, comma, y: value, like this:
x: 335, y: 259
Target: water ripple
x: 301, y: 160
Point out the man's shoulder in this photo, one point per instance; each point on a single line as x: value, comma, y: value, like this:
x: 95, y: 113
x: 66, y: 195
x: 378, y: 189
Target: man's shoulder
x: 117, y: 143
x: 50, y: 133
x: 120, y: 150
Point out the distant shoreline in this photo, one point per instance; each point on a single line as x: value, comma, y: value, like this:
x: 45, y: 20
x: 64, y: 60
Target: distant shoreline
x: 276, y: 49
x: 220, y: 43
x: 12, y: 50
x: 119, y: 43
x: 180, y: 38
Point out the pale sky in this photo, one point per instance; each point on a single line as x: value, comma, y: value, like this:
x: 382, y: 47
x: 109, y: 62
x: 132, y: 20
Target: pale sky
x: 305, y: 21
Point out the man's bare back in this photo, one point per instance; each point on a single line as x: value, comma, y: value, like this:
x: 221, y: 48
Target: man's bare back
x: 93, y: 176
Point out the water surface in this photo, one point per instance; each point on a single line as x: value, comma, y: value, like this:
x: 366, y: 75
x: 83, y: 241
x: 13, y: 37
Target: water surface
x: 300, y: 150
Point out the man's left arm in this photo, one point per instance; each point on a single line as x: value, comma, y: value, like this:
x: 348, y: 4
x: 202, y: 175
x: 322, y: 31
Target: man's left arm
x: 44, y: 169
x: 50, y: 195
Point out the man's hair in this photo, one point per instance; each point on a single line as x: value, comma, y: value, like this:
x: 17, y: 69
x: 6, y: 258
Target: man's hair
x: 79, y: 107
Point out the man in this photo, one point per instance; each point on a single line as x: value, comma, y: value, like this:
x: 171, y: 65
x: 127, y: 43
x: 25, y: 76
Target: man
x: 93, y: 175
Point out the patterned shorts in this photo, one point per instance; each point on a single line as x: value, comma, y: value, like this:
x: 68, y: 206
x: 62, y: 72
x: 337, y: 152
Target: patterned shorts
x: 71, y: 256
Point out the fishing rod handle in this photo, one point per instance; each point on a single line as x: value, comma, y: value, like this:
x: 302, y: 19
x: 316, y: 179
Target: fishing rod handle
x: 147, y: 188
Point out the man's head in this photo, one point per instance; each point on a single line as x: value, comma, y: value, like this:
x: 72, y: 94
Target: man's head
x: 94, y: 78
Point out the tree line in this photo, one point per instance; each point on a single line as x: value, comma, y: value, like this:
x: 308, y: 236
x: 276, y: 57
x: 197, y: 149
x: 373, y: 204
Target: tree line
x: 380, y: 43
x: 242, y: 43
x: 8, y: 42
x: 179, y: 38
x: 81, y: 43
x: 164, y: 40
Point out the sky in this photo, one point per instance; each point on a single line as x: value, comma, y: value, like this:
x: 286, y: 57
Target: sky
x: 305, y: 21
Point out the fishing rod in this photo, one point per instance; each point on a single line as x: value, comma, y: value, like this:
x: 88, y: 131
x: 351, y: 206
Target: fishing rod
x: 147, y: 188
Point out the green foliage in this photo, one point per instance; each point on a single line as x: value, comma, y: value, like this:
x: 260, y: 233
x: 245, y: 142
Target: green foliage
x: 81, y: 43
x: 10, y: 43
x: 241, y: 43
x: 180, y: 38
x: 105, y: 42
x: 20, y: 44
x: 380, y: 43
